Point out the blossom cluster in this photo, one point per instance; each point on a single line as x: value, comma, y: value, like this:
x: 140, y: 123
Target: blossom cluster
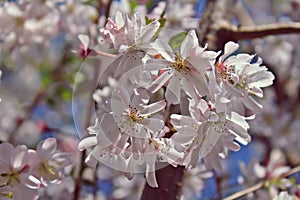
x: 23, y: 171
x: 212, y: 96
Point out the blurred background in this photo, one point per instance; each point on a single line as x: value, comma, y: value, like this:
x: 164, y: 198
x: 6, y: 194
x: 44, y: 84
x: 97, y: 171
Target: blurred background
x: 48, y: 91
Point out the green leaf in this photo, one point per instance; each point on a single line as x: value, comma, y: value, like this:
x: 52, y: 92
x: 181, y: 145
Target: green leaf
x: 133, y: 5
x: 148, y: 20
x: 65, y: 94
x: 176, y: 40
x: 46, y: 79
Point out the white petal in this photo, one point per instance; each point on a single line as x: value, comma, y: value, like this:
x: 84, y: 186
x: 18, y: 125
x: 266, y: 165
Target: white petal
x: 86, y: 143
x: 46, y: 148
x: 154, y: 125
x: 189, y: 42
x: 150, y: 175
x: 153, y: 108
x: 163, y: 49
x: 199, y: 83
x: 173, y: 90
x: 230, y: 47
x: 252, y: 104
x: 18, y: 158
x: 149, y: 31
x: 84, y: 39
x: 160, y: 81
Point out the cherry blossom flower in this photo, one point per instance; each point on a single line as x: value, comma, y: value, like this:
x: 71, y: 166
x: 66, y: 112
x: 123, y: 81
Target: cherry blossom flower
x: 270, y: 172
x: 131, y: 38
x: 128, y: 189
x: 193, y: 182
x: 47, y: 164
x: 84, y: 49
x: 184, y: 69
x: 283, y: 196
x: 127, y: 34
x: 16, y: 180
x: 243, y: 77
x: 198, y: 135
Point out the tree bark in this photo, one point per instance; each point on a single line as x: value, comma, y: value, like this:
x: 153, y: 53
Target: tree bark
x: 169, y: 181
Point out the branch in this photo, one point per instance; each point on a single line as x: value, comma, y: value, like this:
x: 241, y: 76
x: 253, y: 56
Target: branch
x: 169, y: 181
x: 228, y: 32
x: 259, y: 185
x: 251, y: 32
x: 246, y: 191
x: 90, y: 105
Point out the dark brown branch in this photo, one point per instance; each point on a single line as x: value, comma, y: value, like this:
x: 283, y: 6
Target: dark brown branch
x: 229, y: 32
x: 169, y: 184
x: 79, y: 179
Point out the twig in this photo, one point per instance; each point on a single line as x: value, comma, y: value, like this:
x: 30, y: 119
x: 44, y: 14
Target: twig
x: 246, y: 191
x: 218, y: 180
x: 242, y: 14
x: 109, y: 55
x: 86, y: 124
x: 259, y: 185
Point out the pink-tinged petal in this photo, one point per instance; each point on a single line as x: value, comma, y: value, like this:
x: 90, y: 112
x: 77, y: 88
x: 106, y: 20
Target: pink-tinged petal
x: 233, y: 146
x: 120, y: 22
x: 239, y: 131
x: 181, y: 120
x: 46, y: 148
x: 32, y: 182
x: 150, y: 154
x: 17, y: 160
x: 152, y: 124
x: 121, y: 144
x: 110, y: 132
x: 163, y: 49
x: 120, y: 100
x: 257, y: 92
x: 86, y: 143
x: 149, y: 31
x: 252, y: 104
x: 240, y: 120
x: 91, y: 161
x: 117, y: 162
x: 157, y: 64
x: 230, y: 47
x: 160, y: 81
x: 150, y: 175
x: 259, y: 170
x: 173, y: 90
x: 199, y: 83
x: 280, y: 170
x: 207, y: 140
x: 212, y: 161
x: 189, y: 42
x: 183, y: 137
x: 188, y: 88
x: 263, y: 79
x: 140, y: 97
x: 135, y: 148
x: 22, y: 192
x: 62, y: 159
x: 239, y: 61
x: 233, y: 91
x: 84, y: 39
x: 153, y: 108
